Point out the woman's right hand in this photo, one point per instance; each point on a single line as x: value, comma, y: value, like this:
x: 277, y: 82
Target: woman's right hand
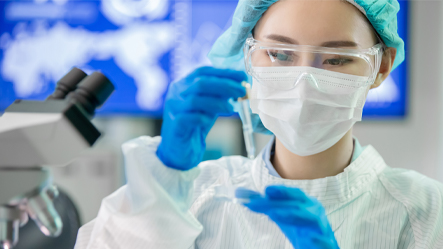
x: 191, y: 107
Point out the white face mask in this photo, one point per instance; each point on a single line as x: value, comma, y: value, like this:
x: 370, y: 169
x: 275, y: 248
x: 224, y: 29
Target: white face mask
x: 315, y: 113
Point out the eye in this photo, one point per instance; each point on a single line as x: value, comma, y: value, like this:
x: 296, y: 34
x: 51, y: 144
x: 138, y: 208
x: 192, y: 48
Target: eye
x: 338, y: 61
x: 281, y: 56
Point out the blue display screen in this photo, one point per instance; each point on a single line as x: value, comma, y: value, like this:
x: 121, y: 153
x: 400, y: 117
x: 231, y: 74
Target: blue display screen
x: 141, y: 45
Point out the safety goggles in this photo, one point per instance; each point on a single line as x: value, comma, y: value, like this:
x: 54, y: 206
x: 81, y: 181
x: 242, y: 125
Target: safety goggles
x: 271, y: 63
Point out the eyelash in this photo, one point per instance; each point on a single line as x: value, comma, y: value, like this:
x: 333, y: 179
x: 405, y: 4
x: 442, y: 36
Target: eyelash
x: 341, y: 61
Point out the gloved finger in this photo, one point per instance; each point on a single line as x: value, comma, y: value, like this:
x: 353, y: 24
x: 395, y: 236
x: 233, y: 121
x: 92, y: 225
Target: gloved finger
x: 217, y: 72
x: 299, y: 218
x: 243, y: 193
x: 279, y: 192
x: 203, y: 104
x: 214, y: 86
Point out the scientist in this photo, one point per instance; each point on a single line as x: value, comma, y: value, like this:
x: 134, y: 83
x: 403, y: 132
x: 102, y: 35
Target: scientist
x: 312, y: 64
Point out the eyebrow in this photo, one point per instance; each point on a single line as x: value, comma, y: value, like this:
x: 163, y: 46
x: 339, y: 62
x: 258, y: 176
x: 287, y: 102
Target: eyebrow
x: 281, y: 38
x: 330, y: 44
x: 337, y: 44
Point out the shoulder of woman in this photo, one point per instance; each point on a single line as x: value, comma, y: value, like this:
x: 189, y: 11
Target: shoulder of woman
x: 411, y: 185
x: 422, y: 197
x: 410, y: 181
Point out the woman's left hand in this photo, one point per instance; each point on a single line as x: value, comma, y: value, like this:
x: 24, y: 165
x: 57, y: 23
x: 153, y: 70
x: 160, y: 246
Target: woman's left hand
x: 301, y: 218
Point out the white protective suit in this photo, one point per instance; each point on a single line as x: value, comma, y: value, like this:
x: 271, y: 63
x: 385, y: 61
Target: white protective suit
x: 369, y: 205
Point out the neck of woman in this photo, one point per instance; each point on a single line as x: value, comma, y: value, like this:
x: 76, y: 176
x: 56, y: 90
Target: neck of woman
x: 330, y: 162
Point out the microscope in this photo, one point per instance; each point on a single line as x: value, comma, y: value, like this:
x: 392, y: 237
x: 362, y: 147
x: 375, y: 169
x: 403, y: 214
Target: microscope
x: 35, y: 135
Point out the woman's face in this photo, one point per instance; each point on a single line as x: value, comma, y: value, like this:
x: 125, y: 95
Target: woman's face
x: 326, y: 23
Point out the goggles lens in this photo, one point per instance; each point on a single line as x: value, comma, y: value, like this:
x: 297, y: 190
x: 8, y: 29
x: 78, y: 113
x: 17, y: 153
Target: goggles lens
x: 263, y: 56
x: 332, y: 62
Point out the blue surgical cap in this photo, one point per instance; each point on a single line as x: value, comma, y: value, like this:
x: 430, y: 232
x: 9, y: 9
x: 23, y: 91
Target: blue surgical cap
x: 227, y: 51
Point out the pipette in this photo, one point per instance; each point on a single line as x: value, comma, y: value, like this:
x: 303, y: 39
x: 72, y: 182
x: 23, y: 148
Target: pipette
x: 245, y: 115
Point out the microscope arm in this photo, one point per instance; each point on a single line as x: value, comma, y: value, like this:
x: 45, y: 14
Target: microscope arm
x: 53, y: 132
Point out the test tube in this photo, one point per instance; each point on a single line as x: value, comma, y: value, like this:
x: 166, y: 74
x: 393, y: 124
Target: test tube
x: 238, y: 195
x: 245, y: 114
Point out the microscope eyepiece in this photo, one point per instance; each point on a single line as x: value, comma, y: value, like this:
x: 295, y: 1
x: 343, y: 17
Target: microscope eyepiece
x: 68, y: 83
x: 92, y: 92
x: 87, y: 91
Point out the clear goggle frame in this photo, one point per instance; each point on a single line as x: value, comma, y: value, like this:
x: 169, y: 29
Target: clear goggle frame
x: 363, y: 63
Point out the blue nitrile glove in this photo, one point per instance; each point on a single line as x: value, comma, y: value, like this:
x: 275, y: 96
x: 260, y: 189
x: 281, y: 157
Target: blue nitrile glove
x: 301, y: 218
x: 191, y: 108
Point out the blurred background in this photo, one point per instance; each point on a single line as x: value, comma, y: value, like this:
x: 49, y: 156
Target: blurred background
x: 144, y: 45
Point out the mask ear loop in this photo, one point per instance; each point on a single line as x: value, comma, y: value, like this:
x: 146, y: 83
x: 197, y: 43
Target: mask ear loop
x: 378, y: 56
x: 378, y: 59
